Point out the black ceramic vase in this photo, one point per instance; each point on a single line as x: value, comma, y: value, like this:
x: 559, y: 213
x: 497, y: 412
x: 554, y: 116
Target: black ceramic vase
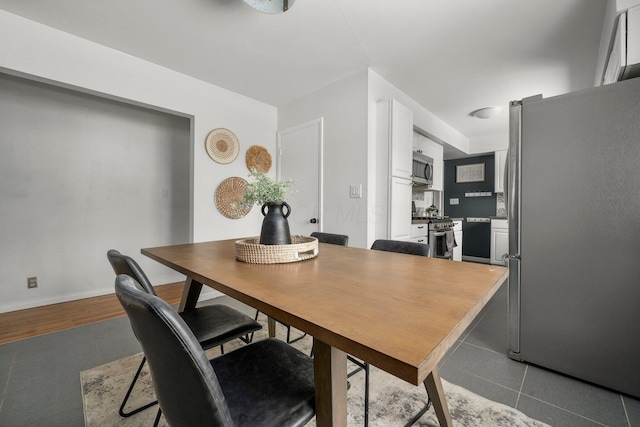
x: 275, y: 227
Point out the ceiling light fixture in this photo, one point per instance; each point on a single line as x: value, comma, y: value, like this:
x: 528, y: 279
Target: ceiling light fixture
x: 270, y: 6
x: 486, y: 112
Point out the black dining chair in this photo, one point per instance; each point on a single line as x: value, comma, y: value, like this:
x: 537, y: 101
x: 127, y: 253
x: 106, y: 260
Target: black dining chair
x: 212, y: 325
x: 267, y: 383
x: 410, y: 248
x: 334, y: 239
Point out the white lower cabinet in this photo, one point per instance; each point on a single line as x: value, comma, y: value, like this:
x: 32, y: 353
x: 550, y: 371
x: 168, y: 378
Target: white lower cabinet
x: 499, y: 240
x: 400, y: 209
x: 420, y: 233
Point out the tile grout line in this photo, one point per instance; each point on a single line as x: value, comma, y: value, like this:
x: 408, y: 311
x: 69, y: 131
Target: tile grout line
x: 482, y: 378
x: 488, y: 349
x: 526, y: 369
x: 520, y: 393
x: 5, y: 387
x: 566, y: 410
x: 95, y: 344
x: 624, y: 408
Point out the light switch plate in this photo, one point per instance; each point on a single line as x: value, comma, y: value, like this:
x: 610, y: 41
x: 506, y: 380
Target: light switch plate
x: 355, y: 191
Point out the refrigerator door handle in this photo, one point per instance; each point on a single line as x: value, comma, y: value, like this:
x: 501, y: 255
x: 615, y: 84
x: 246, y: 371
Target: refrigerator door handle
x: 512, y: 201
x: 513, y: 296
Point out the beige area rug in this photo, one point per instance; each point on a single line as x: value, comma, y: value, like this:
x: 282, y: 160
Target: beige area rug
x: 392, y: 401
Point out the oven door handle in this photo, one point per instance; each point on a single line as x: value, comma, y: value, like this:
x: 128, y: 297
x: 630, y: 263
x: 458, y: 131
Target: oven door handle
x: 438, y: 233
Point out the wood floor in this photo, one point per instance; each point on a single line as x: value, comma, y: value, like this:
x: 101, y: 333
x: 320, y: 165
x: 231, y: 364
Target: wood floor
x: 18, y: 325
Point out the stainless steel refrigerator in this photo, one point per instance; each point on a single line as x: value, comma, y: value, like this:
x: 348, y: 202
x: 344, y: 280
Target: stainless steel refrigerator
x: 573, y: 204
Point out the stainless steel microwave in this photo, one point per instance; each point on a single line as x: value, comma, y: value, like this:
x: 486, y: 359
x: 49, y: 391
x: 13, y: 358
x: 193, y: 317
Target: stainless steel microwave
x: 422, y: 169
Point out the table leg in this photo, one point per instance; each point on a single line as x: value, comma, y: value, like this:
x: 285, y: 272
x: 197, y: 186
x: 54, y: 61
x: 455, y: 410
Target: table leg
x: 436, y: 393
x: 271, y: 322
x: 190, y: 294
x: 330, y: 370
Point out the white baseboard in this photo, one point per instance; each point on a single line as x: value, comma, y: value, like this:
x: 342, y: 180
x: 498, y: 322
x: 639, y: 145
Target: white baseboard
x: 206, y: 294
x: 54, y: 300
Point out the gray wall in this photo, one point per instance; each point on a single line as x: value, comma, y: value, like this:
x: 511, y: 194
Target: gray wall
x: 79, y: 175
x: 476, y: 236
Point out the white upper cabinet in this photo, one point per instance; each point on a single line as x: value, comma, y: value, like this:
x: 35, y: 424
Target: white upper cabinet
x: 500, y: 169
x: 430, y: 148
x: 416, y: 142
x: 397, y: 121
x: 394, y: 166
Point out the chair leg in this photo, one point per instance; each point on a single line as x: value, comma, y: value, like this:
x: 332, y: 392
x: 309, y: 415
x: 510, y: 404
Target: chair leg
x: 291, y: 341
x: 366, y: 395
x: 416, y: 417
x: 250, y: 336
x: 126, y: 397
x: 158, y: 415
x: 362, y: 366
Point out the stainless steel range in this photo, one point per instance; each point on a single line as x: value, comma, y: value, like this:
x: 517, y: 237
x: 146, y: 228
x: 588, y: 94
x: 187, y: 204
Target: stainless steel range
x: 441, y: 237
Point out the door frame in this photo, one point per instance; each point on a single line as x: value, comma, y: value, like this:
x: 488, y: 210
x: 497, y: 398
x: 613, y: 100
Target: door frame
x: 319, y: 124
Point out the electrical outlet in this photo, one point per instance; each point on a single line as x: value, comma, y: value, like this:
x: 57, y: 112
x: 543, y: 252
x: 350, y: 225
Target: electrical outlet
x: 32, y: 282
x: 355, y: 191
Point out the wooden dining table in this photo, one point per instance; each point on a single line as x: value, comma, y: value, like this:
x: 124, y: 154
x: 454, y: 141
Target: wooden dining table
x: 400, y: 313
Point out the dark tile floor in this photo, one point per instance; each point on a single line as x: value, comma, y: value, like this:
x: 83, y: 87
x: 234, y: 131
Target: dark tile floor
x: 40, y: 377
x: 479, y: 363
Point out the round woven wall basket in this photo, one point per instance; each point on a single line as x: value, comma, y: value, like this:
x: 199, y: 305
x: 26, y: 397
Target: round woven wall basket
x: 222, y: 145
x: 258, y: 158
x: 228, y: 196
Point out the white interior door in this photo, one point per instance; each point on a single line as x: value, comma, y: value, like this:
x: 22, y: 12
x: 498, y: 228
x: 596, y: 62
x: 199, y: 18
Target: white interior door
x: 300, y: 159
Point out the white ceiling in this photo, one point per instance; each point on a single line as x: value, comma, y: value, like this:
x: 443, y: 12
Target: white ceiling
x: 451, y: 56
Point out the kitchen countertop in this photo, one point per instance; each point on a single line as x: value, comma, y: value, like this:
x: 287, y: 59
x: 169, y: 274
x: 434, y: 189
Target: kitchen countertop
x: 426, y: 220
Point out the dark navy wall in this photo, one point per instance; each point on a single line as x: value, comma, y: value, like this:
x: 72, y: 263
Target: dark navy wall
x: 476, y: 237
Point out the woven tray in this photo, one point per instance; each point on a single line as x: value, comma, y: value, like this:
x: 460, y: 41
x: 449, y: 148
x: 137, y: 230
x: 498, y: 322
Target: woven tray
x: 301, y: 248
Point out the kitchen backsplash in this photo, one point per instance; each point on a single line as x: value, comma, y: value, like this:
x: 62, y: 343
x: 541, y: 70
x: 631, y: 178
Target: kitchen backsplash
x: 501, y: 209
x: 417, y: 195
x: 423, y: 199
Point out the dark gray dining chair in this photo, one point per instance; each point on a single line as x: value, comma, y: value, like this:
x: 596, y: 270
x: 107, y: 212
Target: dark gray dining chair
x: 213, y: 325
x: 334, y: 239
x: 410, y: 248
x: 267, y: 383
x: 401, y: 247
